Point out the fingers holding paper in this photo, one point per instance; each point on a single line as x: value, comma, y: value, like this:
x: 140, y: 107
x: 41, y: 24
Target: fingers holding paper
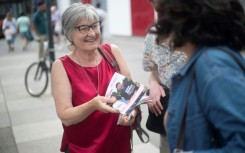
x: 104, y: 104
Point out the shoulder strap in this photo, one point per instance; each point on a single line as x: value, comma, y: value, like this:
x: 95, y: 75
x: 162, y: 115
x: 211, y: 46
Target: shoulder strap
x: 140, y: 131
x: 109, y: 58
x: 238, y: 61
x: 180, y: 140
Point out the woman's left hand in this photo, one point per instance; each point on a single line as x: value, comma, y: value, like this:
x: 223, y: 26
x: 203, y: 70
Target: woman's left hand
x: 128, y: 120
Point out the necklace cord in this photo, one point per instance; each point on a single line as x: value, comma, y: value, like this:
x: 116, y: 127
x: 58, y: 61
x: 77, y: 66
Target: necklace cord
x: 87, y: 76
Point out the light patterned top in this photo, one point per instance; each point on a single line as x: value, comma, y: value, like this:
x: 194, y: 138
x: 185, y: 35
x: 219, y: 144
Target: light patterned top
x: 168, y: 63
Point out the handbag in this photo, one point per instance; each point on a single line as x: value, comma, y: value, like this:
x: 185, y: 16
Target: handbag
x: 155, y: 123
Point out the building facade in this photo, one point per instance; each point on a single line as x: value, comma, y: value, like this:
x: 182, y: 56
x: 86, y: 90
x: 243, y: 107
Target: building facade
x: 126, y: 17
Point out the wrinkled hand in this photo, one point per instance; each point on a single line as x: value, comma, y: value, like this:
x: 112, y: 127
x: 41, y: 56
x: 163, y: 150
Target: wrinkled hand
x: 104, y: 104
x: 154, y: 104
x: 128, y: 120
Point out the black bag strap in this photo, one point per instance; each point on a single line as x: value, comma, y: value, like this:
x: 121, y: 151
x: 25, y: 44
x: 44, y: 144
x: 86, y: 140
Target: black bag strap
x: 140, y: 131
x: 112, y: 61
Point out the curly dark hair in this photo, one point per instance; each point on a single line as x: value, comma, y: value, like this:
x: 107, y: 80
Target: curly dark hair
x: 207, y: 22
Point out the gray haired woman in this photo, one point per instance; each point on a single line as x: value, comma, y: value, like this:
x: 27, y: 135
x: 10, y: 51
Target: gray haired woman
x: 79, y: 83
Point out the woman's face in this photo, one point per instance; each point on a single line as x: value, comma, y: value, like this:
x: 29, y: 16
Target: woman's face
x: 119, y: 86
x: 86, y: 36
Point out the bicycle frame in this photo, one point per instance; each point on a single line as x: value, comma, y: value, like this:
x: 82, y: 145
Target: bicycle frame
x: 41, y: 67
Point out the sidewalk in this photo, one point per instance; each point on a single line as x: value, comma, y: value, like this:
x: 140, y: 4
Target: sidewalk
x: 30, y: 125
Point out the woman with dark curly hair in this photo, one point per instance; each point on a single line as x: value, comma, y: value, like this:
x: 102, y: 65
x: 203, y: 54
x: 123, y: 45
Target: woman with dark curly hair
x: 205, y: 113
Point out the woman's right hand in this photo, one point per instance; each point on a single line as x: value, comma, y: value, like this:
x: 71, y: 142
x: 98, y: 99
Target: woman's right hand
x: 156, y: 91
x: 104, y: 104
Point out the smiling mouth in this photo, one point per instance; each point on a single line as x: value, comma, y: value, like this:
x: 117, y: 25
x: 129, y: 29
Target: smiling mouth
x: 91, y: 40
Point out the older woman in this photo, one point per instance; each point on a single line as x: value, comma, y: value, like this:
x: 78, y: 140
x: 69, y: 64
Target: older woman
x: 79, y: 83
x: 205, y: 112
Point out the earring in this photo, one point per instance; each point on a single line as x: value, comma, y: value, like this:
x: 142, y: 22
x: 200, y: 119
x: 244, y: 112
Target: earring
x: 72, y: 47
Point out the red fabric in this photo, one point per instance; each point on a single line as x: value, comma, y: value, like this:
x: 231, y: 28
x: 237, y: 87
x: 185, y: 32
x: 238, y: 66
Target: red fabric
x: 98, y: 133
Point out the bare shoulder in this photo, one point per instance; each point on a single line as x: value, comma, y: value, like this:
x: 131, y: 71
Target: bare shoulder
x: 57, y: 63
x: 57, y: 66
x: 115, y: 50
x: 114, y: 47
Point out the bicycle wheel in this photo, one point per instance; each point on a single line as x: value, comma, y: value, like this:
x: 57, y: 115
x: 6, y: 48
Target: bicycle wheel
x: 36, y: 79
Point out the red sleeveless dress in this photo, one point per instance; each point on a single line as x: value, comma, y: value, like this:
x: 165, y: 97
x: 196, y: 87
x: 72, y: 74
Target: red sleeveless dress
x: 99, y: 132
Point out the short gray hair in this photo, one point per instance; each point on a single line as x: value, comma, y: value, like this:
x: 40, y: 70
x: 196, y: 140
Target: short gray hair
x: 74, y: 14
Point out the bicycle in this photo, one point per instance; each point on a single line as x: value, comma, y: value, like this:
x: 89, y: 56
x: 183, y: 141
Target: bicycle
x: 37, y: 76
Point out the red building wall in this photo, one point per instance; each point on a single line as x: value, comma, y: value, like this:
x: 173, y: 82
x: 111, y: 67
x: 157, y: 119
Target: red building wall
x: 142, y: 17
x: 86, y: 1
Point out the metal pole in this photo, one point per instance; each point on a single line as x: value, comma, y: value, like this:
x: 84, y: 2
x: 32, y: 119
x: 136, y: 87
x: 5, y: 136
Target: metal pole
x: 50, y: 34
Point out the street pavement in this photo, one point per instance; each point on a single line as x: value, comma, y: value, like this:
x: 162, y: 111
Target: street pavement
x: 30, y: 125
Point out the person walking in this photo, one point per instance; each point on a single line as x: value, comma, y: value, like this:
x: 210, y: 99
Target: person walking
x: 24, y: 28
x: 56, y: 23
x: 79, y: 83
x: 205, y: 110
x: 9, y: 30
x: 40, y: 26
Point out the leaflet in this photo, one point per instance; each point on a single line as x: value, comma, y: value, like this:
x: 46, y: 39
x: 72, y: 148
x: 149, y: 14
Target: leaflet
x: 127, y: 92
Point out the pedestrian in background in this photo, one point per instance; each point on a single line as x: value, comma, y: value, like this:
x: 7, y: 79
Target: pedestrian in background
x: 9, y: 30
x: 102, y: 16
x: 40, y: 27
x: 56, y: 24
x: 205, y: 112
x: 162, y: 65
x: 79, y: 83
x: 24, y: 28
